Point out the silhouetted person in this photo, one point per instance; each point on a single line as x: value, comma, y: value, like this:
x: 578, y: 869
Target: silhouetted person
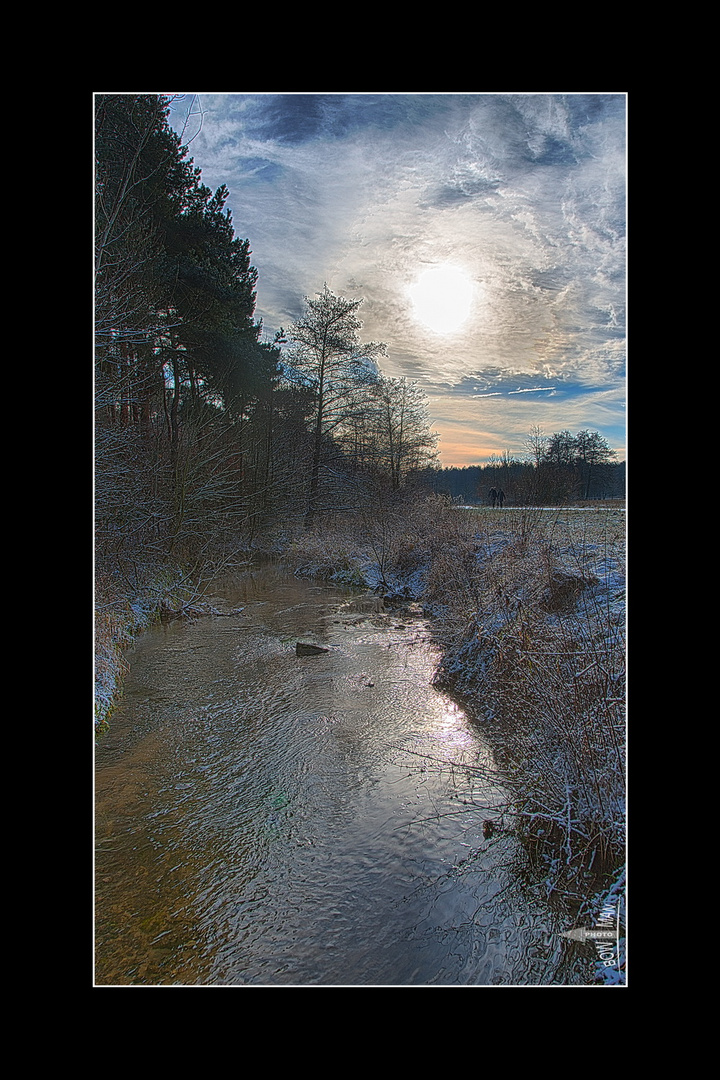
x: 493, y: 497
x: 500, y: 496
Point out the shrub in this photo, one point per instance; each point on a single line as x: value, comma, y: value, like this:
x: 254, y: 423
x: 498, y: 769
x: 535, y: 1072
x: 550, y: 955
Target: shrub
x: 532, y: 625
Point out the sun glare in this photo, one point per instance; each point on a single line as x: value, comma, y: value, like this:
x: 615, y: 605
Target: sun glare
x: 442, y: 298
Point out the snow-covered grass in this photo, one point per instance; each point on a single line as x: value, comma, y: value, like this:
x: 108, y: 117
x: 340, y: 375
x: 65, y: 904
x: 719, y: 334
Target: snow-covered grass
x: 530, y: 607
x: 124, y: 607
x: 332, y: 557
x: 117, y: 621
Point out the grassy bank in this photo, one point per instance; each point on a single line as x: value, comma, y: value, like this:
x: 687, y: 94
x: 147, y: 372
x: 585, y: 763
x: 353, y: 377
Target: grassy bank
x: 531, y: 613
x: 128, y: 603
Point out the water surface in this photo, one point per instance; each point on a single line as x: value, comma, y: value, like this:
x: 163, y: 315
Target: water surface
x: 269, y: 819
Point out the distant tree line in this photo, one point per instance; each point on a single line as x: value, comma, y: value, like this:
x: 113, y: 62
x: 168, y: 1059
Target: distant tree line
x: 556, y: 469
x: 205, y: 432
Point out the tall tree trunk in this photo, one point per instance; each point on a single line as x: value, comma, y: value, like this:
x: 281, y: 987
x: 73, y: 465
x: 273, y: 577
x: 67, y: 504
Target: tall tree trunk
x: 174, y: 424
x: 317, y: 450
x: 314, y: 476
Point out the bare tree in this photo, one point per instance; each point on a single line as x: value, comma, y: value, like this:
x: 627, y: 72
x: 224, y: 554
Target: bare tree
x: 406, y: 443
x: 326, y: 357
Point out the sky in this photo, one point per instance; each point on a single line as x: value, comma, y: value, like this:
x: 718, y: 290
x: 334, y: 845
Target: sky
x: 485, y: 234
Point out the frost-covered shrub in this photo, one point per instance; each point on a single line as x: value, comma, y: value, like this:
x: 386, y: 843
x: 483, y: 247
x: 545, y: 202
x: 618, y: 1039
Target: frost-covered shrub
x: 533, y: 634
x: 123, y: 609
x: 327, y: 556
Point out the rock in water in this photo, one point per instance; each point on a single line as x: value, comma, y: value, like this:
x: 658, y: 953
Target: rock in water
x: 302, y: 649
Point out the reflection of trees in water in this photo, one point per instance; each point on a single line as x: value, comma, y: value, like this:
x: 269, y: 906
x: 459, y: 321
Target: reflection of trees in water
x: 503, y: 874
x: 491, y: 912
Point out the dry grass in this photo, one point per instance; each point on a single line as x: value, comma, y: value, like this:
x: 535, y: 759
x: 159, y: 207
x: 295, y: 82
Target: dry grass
x: 530, y: 607
x: 123, y: 608
x: 113, y: 633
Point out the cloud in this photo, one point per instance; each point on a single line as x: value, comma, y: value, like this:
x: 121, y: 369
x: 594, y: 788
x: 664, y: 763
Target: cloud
x: 525, y: 193
x: 532, y: 389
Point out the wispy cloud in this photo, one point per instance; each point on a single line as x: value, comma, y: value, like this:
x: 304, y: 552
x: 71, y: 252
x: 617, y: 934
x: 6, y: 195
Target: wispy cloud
x: 532, y: 390
x: 525, y: 193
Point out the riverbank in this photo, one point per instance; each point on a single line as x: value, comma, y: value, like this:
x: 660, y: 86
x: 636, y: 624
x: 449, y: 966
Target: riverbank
x: 527, y: 607
x: 264, y: 818
x: 124, y: 609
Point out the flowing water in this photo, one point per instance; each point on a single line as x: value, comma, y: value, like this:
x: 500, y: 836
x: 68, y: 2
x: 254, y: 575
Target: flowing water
x: 264, y: 818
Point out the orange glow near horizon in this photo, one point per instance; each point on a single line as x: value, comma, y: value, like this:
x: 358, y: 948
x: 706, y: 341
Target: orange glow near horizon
x: 458, y: 455
x: 461, y: 445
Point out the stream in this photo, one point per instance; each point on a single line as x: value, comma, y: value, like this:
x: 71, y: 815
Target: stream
x: 269, y: 819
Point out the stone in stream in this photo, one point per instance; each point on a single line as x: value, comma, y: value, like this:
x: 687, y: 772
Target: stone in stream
x: 303, y: 649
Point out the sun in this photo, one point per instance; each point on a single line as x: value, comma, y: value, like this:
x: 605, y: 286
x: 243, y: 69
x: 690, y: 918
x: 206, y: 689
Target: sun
x: 442, y: 298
